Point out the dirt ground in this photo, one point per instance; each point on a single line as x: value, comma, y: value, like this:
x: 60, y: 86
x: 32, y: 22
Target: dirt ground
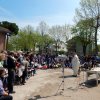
x: 48, y: 85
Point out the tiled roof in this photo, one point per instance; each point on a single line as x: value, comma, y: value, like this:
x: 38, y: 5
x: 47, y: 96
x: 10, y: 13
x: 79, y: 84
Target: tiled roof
x: 4, y: 30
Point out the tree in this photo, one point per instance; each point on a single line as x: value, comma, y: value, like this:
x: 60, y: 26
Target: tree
x: 84, y: 33
x: 71, y: 44
x: 56, y: 33
x: 60, y: 33
x: 23, y: 40
x: 90, y: 9
x: 28, y: 29
x: 47, y: 42
x: 11, y: 26
x: 28, y: 39
x: 66, y: 32
x: 42, y: 28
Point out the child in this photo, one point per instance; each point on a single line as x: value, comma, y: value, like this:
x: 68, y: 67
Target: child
x: 3, y: 94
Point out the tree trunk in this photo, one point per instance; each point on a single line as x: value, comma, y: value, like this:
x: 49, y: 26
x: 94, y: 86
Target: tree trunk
x: 34, y: 47
x: 56, y: 48
x: 96, y: 46
x: 84, y: 49
x: 39, y: 49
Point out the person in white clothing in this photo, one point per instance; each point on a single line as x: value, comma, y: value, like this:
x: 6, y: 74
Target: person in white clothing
x: 75, y: 64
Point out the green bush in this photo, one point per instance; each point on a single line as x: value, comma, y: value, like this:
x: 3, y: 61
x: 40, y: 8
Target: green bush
x: 61, y: 52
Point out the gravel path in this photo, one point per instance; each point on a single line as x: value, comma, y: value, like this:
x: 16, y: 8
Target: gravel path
x: 44, y: 86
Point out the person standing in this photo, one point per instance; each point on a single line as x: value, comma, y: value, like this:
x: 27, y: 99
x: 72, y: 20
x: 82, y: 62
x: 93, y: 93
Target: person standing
x: 25, y: 65
x: 11, y: 71
x: 75, y: 64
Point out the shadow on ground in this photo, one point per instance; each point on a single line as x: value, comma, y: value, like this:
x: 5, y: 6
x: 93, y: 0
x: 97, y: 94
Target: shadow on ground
x: 39, y: 97
x: 68, y: 76
x: 91, y: 83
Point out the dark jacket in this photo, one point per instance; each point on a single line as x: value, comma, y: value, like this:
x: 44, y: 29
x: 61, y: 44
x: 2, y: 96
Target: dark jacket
x: 10, y: 63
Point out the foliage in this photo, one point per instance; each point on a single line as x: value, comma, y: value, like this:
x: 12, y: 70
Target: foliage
x: 99, y: 47
x: 90, y: 9
x: 11, y: 26
x: 71, y: 44
x: 61, y: 52
x: 84, y: 33
x: 60, y: 33
x: 28, y: 39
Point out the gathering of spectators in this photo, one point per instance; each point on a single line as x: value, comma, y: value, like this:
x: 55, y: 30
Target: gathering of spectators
x: 17, y: 67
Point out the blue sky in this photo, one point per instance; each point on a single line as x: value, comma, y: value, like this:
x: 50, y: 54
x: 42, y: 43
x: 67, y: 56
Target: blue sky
x: 31, y: 12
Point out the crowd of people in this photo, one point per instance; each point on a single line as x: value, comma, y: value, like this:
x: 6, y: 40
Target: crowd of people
x: 16, y: 67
